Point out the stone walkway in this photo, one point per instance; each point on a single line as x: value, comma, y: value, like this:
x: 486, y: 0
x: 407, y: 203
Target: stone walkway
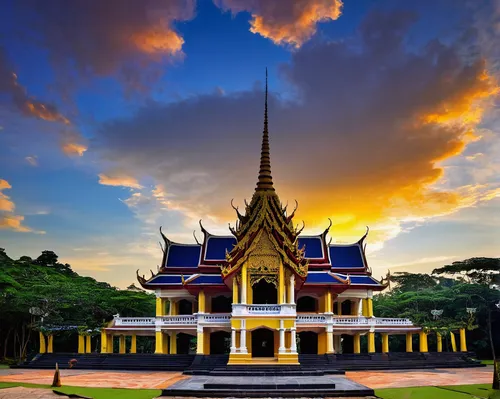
x: 420, y: 378
x: 159, y: 380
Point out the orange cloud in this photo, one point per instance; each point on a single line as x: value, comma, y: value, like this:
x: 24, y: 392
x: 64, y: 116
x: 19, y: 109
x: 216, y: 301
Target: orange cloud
x: 285, y: 22
x: 119, y: 180
x: 8, y: 220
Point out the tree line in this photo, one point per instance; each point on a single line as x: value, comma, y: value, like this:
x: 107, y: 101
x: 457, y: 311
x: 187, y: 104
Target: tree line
x: 43, y: 294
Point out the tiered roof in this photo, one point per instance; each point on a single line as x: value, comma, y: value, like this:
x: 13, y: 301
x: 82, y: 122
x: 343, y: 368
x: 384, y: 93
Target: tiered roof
x: 265, y: 226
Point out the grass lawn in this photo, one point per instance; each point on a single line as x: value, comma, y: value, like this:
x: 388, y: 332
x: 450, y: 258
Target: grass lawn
x: 95, y: 393
x: 4, y: 366
x: 487, y: 362
x: 483, y: 391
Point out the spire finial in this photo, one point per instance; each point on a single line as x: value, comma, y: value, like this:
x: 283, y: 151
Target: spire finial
x: 265, y: 182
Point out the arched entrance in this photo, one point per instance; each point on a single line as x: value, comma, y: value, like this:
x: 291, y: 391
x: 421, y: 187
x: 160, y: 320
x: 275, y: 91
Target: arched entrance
x: 220, y: 343
x: 308, y: 342
x: 221, y: 304
x: 185, y: 307
x: 262, y: 343
x: 184, y: 343
x: 264, y: 293
x: 307, y: 304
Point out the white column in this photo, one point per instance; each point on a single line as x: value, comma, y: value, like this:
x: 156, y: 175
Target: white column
x: 243, y: 337
x: 243, y: 341
x: 244, y: 293
x: 170, y: 305
x: 360, y: 307
x: 233, y: 340
x: 293, y: 348
x: 292, y: 289
x: 282, y: 348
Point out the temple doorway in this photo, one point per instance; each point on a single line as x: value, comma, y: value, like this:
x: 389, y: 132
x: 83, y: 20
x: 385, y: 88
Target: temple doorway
x: 308, y: 342
x: 264, y: 293
x: 220, y: 343
x: 262, y: 343
x: 222, y: 304
x: 347, y: 343
x: 307, y: 304
x: 185, y: 307
x: 184, y: 343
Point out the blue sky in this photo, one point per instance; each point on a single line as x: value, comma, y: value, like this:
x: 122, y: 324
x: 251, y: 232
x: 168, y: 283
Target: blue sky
x: 126, y: 115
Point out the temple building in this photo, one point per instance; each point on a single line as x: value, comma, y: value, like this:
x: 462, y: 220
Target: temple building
x: 265, y: 292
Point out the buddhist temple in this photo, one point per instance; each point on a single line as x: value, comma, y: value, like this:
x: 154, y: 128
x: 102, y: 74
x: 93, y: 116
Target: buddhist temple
x: 264, y: 293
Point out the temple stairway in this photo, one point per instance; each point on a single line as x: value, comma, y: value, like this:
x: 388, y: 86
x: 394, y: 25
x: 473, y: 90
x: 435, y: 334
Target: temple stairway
x: 310, y: 365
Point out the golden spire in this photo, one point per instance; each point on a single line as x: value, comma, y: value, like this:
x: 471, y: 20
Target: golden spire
x: 265, y: 182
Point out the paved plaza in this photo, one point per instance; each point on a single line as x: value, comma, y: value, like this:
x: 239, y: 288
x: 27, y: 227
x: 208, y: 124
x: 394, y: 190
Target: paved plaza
x: 160, y: 380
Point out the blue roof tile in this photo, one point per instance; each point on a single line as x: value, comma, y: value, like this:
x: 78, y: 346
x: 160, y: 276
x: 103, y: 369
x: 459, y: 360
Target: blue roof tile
x: 167, y: 279
x: 206, y: 279
x: 180, y: 255
x: 346, y: 256
x: 367, y: 280
x: 321, y: 278
x: 314, y: 247
x: 216, y: 247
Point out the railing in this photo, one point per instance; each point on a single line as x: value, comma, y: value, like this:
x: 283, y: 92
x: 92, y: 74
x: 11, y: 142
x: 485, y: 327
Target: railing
x: 215, y: 319
x: 311, y: 319
x: 241, y: 309
x: 177, y: 320
x: 134, y: 321
x: 392, y: 321
x: 350, y: 321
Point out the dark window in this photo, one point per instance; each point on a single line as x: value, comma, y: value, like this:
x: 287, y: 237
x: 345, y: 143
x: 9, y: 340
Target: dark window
x: 221, y: 304
x: 307, y: 304
x: 264, y: 293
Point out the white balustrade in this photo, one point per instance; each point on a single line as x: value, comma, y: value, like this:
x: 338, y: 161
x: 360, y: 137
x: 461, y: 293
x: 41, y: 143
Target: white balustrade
x: 134, y: 321
x: 311, y: 319
x: 350, y: 321
x: 177, y: 320
x: 391, y: 321
x: 216, y: 318
x: 263, y: 310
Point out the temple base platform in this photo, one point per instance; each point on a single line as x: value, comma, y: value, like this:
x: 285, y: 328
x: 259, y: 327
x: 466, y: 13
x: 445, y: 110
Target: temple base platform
x: 269, y: 387
x: 206, y: 364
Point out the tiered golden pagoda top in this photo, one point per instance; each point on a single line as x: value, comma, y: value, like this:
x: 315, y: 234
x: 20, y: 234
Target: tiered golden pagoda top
x: 266, y: 234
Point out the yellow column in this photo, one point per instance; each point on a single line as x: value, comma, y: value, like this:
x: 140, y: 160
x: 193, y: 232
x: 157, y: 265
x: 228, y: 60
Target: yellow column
x: 371, y: 342
x: 81, y: 344
x: 281, y: 288
x: 159, y: 342
x: 357, y: 343
x: 463, y: 342
x: 365, y: 307
x: 385, y: 343
x: 133, y: 343
x: 109, y: 343
x: 50, y: 346
x: 200, y: 338
x: 43, y: 348
x: 339, y: 307
x: 409, y: 342
x: 453, y: 342
x: 439, y: 340
x: 235, y: 291
x: 328, y: 304
x: 422, y: 342
x: 201, y: 301
x: 88, y: 344
x: 173, y: 343
x: 159, y: 307
x: 122, y: 344
x: 104, y: 342
x: 369, y: 303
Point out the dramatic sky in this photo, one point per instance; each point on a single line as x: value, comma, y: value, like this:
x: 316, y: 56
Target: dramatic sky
x: 119, y: 116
